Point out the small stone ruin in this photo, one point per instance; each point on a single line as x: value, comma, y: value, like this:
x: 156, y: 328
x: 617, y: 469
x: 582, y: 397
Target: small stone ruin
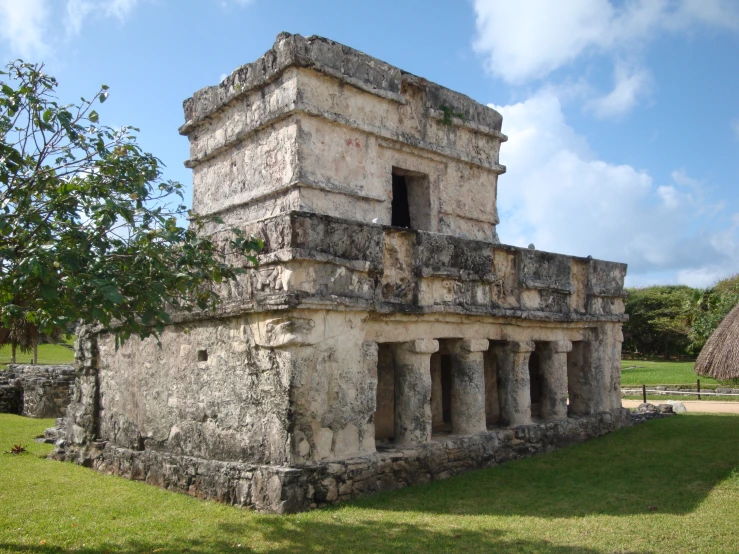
x: 40, y: 391
x: 386, y: 338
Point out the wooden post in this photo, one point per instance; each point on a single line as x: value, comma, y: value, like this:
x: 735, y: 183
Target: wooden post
x: 35, y: 354
x: 644, y: 393
x: 699, y: 388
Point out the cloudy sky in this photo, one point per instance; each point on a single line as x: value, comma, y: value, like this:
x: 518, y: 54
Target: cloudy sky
x: 622, y: 116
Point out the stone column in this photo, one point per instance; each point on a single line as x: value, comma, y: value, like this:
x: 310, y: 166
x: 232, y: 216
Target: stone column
x: 413, y: 390
x: 514, y: 385
x: 580, y: 379
x: 468, y: 386
x: 553, y: 359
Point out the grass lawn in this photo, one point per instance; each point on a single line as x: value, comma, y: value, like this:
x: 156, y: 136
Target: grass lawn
x: 48, y: 354
x: 642, y: 372
x: 670, y: 485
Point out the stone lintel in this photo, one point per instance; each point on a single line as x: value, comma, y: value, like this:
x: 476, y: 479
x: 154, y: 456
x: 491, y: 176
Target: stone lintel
x: 471, y: 345
x: 422, y: 346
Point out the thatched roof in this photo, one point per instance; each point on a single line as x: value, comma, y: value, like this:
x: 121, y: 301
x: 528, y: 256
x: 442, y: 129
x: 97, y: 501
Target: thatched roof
x: 719, y: 358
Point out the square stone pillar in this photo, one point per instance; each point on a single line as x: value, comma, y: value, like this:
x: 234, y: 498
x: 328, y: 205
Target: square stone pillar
x: 553, y: 365
x: 413, y: 390
x: 514, y: 385
x: 468, y: 386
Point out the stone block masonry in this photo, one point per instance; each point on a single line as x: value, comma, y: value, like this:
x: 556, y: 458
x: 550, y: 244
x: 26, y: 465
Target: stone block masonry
x: 40, y: 391
x: 386, y: 337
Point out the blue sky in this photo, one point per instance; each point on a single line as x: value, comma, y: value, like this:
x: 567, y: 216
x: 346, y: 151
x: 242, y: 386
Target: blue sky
x: 623, y: 117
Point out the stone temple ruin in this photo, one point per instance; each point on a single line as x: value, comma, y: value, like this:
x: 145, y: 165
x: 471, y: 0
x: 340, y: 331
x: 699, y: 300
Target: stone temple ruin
x: 387, y: 338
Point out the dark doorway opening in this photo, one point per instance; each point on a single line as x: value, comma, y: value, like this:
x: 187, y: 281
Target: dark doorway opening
x: 385, y: 413
x: 535, y: 384
x: 446, y: 389
x: 441, y: 391
x: 401, y: 216
x: 492, y: 362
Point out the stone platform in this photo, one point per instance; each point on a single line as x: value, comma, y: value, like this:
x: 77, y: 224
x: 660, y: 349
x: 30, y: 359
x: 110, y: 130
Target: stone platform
x: 285, y: 489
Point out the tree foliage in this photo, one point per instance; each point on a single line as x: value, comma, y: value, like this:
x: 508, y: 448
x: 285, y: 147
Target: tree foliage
x: 712, y: 306
x: 659, y: 320
x: 89, y: 229
x: 676, y: 320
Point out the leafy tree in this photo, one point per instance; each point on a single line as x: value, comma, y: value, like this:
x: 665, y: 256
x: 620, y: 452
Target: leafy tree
x: 712, y: 306
x: 89, y: 229
x: 660, y: 319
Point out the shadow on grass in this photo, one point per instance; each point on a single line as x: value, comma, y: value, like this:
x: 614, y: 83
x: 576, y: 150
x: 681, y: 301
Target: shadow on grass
x: 284, y: 536
x: 667, y: 466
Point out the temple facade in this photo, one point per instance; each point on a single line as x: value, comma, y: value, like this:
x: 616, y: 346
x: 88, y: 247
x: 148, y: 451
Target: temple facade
x: 386, y: 338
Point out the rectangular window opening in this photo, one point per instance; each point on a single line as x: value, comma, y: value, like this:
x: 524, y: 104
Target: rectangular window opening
x: 411, y: 203
x: 401, y: 212
x: 202, y: 355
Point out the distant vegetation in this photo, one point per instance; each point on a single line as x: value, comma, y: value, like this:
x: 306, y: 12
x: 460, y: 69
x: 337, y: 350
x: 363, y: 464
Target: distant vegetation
x: 676, y: 320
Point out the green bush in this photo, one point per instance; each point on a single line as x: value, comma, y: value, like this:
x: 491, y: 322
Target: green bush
x: 676, y: 320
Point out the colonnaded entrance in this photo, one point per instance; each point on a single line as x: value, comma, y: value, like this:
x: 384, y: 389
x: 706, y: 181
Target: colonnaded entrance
x: 439, y: 387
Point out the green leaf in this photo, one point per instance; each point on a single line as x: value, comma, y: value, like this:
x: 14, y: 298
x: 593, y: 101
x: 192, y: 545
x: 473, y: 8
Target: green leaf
x: 93, y: 116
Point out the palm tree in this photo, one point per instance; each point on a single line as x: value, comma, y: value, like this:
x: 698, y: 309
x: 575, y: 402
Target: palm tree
x: 27, y: 336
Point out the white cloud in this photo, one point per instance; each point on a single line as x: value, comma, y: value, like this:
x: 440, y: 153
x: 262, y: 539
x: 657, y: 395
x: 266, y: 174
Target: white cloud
x: 25, y: 24
x: 630, y: 86
x: 559, y: 195
x: 24, y: 27
x: 79, y: 10
x: 528, y: 39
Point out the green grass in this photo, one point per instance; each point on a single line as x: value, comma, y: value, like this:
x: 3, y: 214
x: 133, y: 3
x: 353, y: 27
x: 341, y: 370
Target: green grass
x: 587, y: 499
x: 643, y: 372
x: 48, y: 354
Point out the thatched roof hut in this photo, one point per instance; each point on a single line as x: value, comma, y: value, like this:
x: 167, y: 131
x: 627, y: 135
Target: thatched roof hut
x: 719, y: 358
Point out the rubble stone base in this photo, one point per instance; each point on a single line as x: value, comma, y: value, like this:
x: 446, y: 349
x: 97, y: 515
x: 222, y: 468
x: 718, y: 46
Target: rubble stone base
x: 292, y: 489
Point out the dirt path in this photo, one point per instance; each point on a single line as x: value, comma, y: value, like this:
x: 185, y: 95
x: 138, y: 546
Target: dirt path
x: 695, y: 406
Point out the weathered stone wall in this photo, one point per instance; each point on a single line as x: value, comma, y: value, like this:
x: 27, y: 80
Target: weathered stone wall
x: 36, y: 390
x: 305, y: 128
x: 209, y: 391
x: 311, y: 258
x: 10, y: 393
x: 305, y: 486
x: 292, y: 386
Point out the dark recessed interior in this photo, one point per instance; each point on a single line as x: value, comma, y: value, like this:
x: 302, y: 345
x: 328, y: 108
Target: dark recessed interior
x: 401, y: 212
